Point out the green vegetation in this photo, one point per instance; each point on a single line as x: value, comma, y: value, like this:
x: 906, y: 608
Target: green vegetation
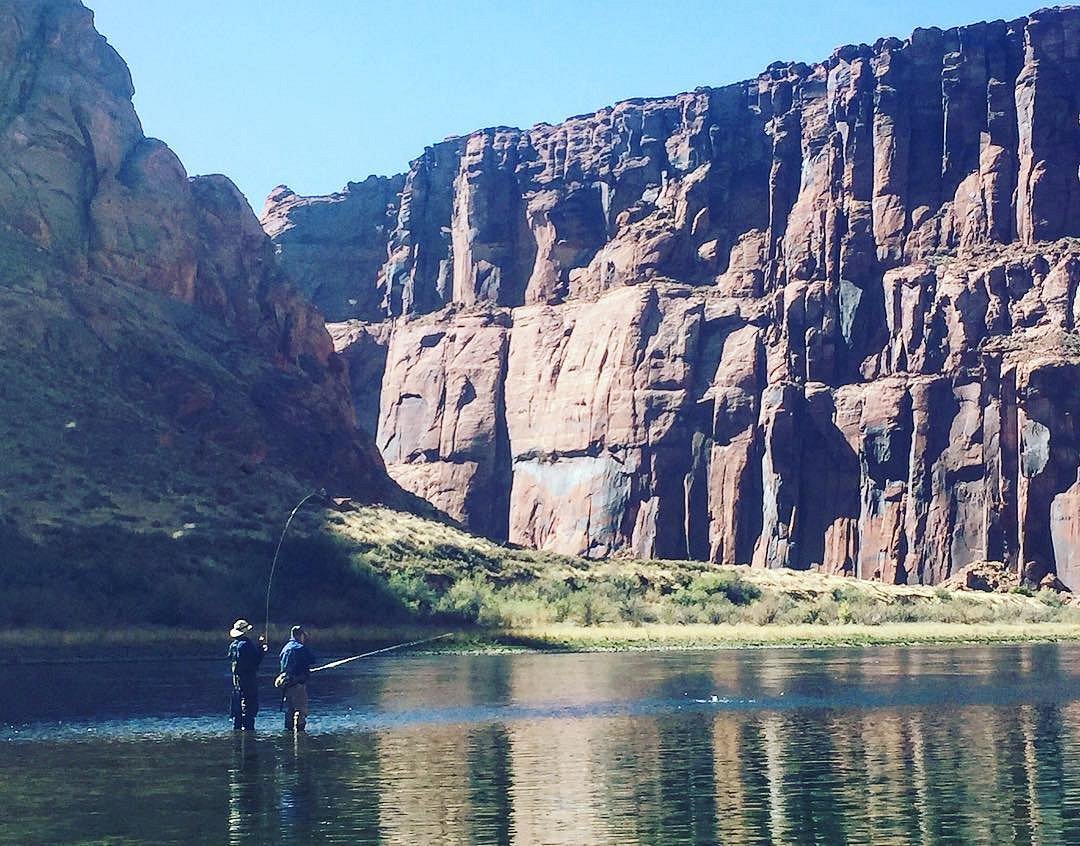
x: 152, y: 643
x: 375, y: 567
x: 445, y: 575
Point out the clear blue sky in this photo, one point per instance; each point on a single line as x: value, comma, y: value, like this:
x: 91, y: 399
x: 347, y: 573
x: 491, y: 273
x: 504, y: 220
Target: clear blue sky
x: 314, y: 93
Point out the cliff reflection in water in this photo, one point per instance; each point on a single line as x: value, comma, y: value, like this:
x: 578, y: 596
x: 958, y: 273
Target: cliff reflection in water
x: 877, y: 746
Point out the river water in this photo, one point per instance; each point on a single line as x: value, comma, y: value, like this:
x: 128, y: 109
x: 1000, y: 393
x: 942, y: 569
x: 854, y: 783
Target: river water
x: 965, y: 745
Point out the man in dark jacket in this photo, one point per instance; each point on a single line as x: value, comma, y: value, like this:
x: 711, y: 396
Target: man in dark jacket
x: 245, y: 657
x: 296, y: 663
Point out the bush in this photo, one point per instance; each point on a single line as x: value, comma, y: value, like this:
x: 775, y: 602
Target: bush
x: 634, y: 610
x: 824, y: 610
x: 413, y: 592
x: 717, y: 610
x: 588, y: 608
x: 1051, y: 598
x: 470, y: 600
x: 772, y: 608
x: 731, y: 586
x: 522, y: 606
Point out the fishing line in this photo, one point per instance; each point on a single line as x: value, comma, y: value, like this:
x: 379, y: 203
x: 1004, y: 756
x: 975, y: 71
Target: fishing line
x: 333, y: 664
x: 269, y: 582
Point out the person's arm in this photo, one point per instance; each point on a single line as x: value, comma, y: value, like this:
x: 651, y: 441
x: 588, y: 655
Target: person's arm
x: 288, y: 660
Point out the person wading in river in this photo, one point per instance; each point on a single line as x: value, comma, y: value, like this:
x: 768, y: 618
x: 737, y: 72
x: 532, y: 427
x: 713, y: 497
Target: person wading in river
x: 296, y: 663
x: 245, y: 657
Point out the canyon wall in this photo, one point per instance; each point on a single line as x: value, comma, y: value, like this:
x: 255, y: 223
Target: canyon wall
x: 158, y: 372
x: 825, y: 318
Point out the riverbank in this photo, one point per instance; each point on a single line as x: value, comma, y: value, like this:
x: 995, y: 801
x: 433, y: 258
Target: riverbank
x: 441, y: 575
x: 615, y: 638
x: 148, y: 644
x: 405, y: 578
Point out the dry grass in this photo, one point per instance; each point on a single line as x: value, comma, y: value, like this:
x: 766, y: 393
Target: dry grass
x: 805, y: 635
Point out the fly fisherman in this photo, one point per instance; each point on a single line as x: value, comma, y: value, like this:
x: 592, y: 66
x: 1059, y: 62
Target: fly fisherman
x: 296, y: 664
x: 245, y: 657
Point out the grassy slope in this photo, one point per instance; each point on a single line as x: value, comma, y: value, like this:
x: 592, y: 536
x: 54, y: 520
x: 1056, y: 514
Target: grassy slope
x: 375, y: 575
x: 146, y: 462
x: 406, y: 548
x: 541, y: 599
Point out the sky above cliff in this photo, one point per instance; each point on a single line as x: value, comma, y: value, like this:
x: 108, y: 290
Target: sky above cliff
x: 318, y: 93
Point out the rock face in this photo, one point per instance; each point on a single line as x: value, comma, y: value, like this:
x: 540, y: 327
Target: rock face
x: 153, y: 356
x: 822, y: 318
x: 445, y: 429
x: 333, y: 246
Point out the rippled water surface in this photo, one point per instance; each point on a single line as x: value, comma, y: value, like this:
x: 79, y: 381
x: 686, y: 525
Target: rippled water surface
x: 925, y: 745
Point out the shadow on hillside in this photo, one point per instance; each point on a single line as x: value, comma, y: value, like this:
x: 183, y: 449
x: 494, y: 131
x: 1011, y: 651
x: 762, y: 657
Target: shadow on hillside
x: 107, y: 575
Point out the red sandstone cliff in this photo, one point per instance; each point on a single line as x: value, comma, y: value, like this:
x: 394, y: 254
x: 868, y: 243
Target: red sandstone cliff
x: 822, y: 318
x: 157, y: 371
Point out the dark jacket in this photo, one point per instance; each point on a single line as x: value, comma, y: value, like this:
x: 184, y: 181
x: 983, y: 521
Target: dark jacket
x: 296, y: 662
x: 245, y: 657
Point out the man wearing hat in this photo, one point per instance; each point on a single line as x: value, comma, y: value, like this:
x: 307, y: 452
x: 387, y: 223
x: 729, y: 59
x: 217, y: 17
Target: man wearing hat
x: 296, y: 664
x: 245, y: 657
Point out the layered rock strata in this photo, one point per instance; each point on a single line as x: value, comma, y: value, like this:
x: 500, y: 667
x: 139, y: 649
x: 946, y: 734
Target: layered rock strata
x: 823, y: 318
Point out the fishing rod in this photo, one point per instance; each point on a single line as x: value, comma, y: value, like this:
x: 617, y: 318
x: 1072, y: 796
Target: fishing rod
x: 333, y: 664
x: 321, y: 493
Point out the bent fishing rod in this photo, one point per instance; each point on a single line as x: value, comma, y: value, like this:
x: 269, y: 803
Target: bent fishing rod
x: 321, y: 494
x: 333, y: 664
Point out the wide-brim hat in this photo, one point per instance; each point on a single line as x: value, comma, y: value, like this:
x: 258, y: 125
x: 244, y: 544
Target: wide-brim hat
x: 240, y: 627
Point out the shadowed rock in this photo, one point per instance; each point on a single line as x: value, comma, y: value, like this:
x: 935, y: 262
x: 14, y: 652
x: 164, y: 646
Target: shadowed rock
x: 150, y: 345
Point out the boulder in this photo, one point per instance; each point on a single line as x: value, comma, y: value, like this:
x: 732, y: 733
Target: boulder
x: 985, y: 576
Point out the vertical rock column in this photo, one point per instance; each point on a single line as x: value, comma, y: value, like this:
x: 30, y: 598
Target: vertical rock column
x: 1048, y: 112
x: 442, y: 428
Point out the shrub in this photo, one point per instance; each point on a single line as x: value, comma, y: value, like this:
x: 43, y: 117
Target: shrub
x: 1050, y: 597
x: 718, y: 609
x: 625, y: 585
x: 706, y: 586
x: 521, y: 606
x: 589, y: 608
x: 634, y: 610
x: 772, y: 608
x: 412, y: 592
x: 470, y: 600
x: 824, y: 610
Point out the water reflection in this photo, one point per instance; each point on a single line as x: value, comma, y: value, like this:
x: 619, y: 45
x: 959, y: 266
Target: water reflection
x: 929, y: 746
x: 250, y: 798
